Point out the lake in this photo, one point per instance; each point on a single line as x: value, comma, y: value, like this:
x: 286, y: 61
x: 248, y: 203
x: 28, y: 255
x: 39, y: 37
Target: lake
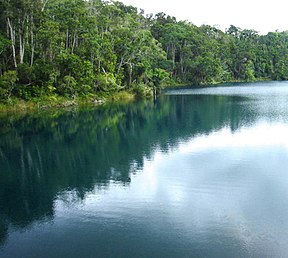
x: 200, y: 172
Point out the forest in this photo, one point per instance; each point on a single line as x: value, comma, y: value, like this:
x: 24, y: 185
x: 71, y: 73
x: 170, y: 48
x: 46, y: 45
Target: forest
x: 75, y: 48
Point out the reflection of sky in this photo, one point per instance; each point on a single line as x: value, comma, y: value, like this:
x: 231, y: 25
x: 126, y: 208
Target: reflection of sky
x: 260, y: 135
x: 234, y: 183
x: 225, y: 191
x: 224, y: 184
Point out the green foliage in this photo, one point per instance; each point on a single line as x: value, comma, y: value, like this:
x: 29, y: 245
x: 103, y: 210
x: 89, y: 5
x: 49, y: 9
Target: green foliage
x: 7, y: 84
x: 68, y: 86
x: 106, y: 82
x: 77, y: 47
x: 142, y: 91
x: 159, y: 75
x: 4, y: 42
x: 26, y: 74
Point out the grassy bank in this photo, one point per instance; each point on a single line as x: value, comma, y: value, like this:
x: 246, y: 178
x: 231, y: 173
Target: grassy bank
x: 58, y: 102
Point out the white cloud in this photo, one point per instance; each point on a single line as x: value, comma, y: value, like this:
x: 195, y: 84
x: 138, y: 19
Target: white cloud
x: 262, y: 16
x: 261, y: 135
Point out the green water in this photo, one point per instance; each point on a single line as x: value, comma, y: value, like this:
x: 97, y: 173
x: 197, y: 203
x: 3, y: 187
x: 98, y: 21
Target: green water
x: 198, y: 173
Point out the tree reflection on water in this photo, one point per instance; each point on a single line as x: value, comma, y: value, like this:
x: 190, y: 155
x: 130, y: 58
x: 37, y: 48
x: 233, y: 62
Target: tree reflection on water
x: 44, y: 155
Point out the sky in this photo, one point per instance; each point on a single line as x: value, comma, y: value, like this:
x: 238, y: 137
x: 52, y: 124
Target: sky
x: 262, y: 16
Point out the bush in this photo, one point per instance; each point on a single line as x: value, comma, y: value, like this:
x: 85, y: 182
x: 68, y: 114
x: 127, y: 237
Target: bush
x: 68, y: 86
x: 142, y: 91
x: 7, y: 84
x: 25, y: 74
x: 107, y: 82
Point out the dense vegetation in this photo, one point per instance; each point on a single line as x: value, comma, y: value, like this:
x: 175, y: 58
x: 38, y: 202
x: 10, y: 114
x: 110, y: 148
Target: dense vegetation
x: 81, y: 48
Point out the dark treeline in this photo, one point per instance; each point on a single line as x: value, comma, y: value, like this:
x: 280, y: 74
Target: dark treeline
x: 75, y: 47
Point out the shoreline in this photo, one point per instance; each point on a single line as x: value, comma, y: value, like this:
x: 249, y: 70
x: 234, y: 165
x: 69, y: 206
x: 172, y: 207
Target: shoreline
x: 60, y: 102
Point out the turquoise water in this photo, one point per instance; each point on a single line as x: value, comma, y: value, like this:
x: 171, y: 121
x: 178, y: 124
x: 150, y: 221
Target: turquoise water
x: 197, y: 173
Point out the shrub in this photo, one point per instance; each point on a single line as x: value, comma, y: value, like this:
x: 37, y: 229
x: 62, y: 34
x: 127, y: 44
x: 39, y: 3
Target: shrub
x: 7, y: 84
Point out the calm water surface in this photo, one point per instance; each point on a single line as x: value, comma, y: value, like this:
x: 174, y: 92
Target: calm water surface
x: 198, y: 173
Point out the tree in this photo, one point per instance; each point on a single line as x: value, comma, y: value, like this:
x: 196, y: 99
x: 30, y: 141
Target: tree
x: 79, y: 47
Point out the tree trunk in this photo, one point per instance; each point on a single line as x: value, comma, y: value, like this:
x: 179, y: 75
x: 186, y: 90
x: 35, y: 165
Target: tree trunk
x: 32, y: 49
x: 67, y: 39
x: 173, y: 56
x: 74, y: 43
x: 120, y: 65
x: 32, y: 43
x: 12, y: 36
x: 130, y: 75
x: 44, y: 5
x: 21, y: 48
